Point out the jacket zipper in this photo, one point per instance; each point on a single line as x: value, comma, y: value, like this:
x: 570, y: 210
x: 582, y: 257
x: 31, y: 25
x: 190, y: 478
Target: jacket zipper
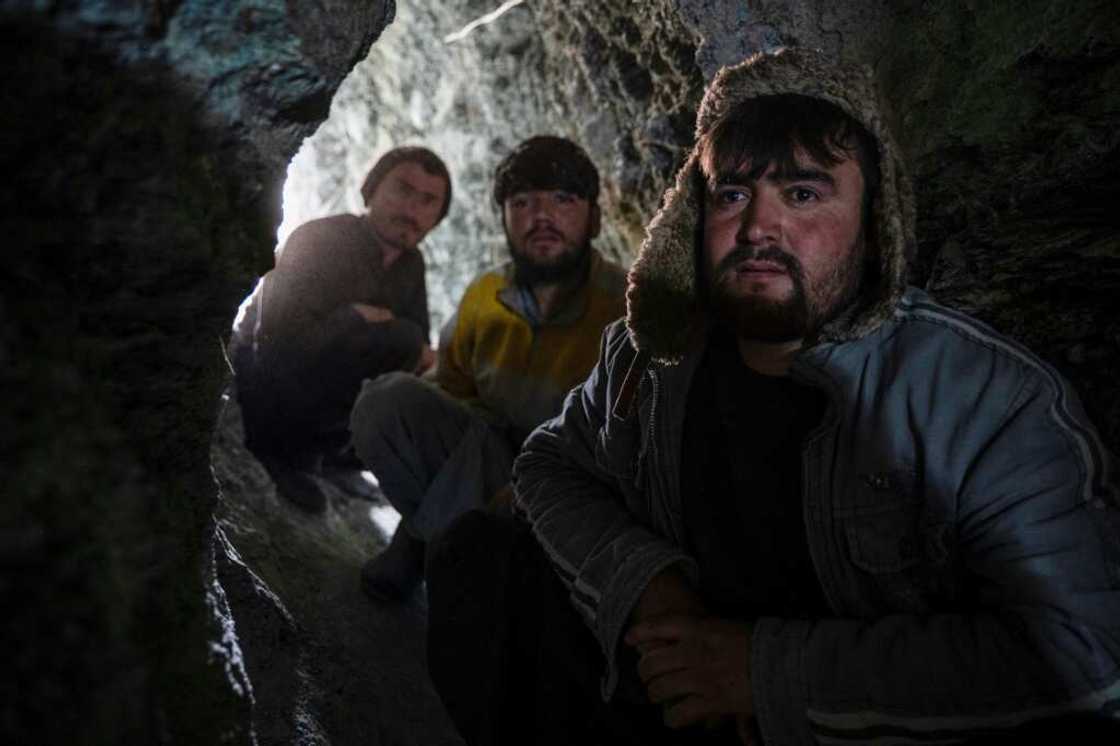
x: 670, y: 516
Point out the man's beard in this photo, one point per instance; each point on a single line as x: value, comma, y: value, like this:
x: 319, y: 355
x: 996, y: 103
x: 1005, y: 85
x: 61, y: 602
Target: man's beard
x: 565, y: 266
x: 802, y: 313
x: 390, y: 233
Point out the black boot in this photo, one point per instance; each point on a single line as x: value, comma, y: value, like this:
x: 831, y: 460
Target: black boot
x: 296, y: 486
x: 394, y: 574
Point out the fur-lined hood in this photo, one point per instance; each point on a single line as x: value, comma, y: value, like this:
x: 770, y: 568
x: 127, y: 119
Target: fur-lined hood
x: 662, y: 302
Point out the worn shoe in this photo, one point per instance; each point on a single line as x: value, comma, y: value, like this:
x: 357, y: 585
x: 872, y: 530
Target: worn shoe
x: 394, y: 574
x: 297, y: 487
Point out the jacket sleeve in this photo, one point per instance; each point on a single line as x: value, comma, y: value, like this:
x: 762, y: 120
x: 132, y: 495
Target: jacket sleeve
x: 416, y: 309
x: 302, y: 292
x: 576, y: 503
x: 1038, y: 634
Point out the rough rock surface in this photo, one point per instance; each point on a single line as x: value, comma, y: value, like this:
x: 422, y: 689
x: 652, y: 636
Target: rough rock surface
x: 144, y: 148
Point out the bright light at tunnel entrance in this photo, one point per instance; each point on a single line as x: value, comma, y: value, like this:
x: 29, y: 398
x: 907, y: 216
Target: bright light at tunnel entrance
x: 244, y: 307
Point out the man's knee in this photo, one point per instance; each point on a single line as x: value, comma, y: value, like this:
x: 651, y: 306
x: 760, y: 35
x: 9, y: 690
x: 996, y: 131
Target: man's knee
x: 385, y: 401
x: 400, y: 340
x: 395, y: 411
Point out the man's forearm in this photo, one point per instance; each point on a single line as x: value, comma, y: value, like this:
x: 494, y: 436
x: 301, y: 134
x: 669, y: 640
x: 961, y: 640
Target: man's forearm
x: 669, y: 593
x: 922, y: 675
x: 599, y: 551
x: 579, y: 513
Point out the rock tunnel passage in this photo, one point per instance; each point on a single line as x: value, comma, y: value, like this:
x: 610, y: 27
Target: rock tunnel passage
x: 151, y: 146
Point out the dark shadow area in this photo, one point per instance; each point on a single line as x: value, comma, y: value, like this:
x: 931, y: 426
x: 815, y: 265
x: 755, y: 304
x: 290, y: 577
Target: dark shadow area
x: 123, y: 233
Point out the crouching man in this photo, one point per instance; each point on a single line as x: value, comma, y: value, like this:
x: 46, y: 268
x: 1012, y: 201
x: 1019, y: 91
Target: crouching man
x: 346, y: 301
x: 522, y: 337
x: 800, y: 502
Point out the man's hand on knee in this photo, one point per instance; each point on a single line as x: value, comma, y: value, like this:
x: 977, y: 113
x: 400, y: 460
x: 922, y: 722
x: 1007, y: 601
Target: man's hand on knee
x: 373, y: 314
x: 500, y: 500
x: 698, y: 669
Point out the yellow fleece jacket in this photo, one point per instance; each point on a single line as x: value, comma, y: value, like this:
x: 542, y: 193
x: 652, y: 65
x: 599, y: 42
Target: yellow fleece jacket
x: 518, y: 369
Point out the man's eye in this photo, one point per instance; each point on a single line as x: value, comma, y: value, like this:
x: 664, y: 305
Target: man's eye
x: 518, y: 202
x: 564, y: 197
x: 801, y: 195
x: 731, y: 196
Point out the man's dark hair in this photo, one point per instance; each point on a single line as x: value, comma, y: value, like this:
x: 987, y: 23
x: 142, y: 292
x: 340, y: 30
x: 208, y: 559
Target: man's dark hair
x: 546, y: 162
x: 768, y: 129
x: 429, y: 161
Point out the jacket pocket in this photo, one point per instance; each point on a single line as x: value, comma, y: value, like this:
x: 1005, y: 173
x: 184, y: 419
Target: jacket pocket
x: 887, y: 541
x: 900, y: 544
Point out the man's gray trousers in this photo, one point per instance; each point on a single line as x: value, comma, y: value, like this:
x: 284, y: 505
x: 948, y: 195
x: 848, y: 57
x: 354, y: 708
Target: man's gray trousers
x: 434, y: 457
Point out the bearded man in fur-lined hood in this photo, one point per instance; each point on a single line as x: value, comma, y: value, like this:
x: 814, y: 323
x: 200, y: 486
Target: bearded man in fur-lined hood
x: 798, y: 501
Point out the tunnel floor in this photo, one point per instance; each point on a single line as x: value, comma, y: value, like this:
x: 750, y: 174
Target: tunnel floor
x: 327, y: 664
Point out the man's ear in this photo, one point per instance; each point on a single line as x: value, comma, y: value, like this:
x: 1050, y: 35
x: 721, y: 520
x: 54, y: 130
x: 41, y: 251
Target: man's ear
x: 596, y: 221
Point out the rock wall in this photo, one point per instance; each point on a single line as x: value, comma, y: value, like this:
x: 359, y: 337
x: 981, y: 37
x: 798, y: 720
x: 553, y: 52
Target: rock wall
x: 145, y: 146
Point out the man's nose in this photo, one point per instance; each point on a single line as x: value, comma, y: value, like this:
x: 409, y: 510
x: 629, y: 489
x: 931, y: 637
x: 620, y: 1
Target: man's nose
x: 413, y: 209
x: 761, y: 220
x: 540, y: 208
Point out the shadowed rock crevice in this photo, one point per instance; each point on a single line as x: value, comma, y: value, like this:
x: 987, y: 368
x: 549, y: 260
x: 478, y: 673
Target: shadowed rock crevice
x: 140, y: 193
x: 106, y: 284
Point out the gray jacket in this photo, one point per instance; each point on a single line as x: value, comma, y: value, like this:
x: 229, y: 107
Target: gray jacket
x: 960, y: 510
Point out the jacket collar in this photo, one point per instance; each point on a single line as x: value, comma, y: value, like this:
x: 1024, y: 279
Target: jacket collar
x: 571, y: 308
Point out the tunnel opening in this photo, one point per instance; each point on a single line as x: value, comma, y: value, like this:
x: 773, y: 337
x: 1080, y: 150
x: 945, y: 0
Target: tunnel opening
x: 464, y: 83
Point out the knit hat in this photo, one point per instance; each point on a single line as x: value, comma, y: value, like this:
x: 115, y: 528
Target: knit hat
x: 546, y: 162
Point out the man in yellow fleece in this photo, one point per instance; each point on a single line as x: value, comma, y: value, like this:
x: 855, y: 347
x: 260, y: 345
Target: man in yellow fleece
x: 524, y: 334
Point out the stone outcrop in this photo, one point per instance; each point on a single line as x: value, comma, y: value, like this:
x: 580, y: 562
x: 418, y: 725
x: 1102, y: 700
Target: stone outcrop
x: 145, y: 148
